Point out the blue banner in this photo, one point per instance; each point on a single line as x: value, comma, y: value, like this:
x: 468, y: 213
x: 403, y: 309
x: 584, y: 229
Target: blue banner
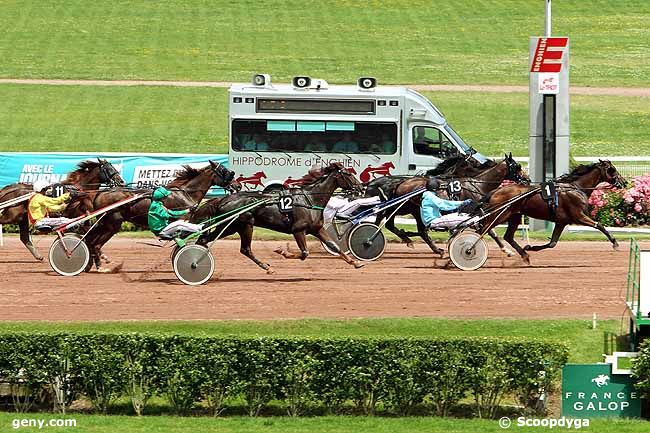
x: 138, y: 170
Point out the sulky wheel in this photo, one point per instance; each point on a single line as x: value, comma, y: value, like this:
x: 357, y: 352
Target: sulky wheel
x: 193, y: 264
x: 341, y: 242
x: 176, y: 248
x: 366, y: 242
x: 468, y: 250
x: 69, y: 255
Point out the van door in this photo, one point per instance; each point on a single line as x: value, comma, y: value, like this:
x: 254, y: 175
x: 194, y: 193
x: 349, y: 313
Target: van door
x: 427, y: 147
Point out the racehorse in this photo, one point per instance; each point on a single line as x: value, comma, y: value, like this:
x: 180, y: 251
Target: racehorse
x: 573, y: 191
x: 189, y: 188
x: 473, y: 187
x: 306, y: 216
x: 87, y: 177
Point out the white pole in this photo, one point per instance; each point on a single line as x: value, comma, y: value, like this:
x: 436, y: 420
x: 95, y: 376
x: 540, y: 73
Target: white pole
x: 547, y: 19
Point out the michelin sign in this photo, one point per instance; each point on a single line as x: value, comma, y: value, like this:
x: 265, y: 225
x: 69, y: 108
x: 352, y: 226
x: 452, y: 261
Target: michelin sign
x: 138, y: 170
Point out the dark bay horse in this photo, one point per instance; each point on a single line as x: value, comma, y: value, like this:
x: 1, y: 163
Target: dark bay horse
x: 87, y: 177
x: 573, y: 191
x: 189, y: 188
x: 306, y: 217
x: 470, y: 186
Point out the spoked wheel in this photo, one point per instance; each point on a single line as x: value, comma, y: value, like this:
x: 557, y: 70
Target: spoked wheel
x: 468, y: 251
x: 367, y: 242
x: 334, y: 236
x: 69, y: 255
x: 176, y: 248
x: 193, y: 264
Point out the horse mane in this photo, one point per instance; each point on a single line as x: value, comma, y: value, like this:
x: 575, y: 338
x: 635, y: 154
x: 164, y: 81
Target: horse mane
x: 83, y: 167
x: 445, y: 165
x: 576, y: 173
x: 458, y: 161
x: 315, y: 174
x: 187, y: 174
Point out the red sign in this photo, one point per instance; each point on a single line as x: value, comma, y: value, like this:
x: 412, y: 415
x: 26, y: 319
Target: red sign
x: 548, y: 54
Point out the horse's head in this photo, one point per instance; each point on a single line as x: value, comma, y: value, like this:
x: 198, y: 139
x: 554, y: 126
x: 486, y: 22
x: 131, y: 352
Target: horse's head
x: 610, y: 174
x: 514, y: 172
x: 91, y: 174
x: 108, y: 174
x: 344, y: 179
x: 223, y: 177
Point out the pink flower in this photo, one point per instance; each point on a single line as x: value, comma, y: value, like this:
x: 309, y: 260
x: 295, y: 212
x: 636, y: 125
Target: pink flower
x: 638, y: 207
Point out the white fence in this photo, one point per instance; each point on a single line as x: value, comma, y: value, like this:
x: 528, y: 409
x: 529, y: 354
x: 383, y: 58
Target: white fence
x: 628, y: 166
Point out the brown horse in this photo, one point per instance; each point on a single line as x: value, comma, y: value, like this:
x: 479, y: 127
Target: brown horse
x: 87, y: 177
x: 306, y: 216
x: 474, y: 185
x: 189, y: 188
x: 573, y: 192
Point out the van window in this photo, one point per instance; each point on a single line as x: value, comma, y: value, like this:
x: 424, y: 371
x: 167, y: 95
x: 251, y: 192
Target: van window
x: 314, y: 136
x: 431, y: 141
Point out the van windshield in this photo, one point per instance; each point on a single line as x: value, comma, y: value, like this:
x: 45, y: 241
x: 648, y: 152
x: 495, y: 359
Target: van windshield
x: 348, y: 137
x: 466, y: 147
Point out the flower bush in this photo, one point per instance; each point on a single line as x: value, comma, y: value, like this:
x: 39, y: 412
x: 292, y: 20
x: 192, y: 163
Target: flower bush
x: 621, y: 207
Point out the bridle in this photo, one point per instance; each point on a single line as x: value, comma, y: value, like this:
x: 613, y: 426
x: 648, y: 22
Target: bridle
x: 107, y: 174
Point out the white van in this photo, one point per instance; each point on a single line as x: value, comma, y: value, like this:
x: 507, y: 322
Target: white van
x: 278, y: 132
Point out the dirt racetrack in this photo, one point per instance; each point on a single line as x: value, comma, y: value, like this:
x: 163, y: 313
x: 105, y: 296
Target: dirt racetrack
x: 573, y: 280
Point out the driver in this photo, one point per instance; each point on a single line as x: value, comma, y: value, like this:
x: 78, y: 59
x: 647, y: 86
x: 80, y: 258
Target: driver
x: 158, y: 216
x: 42, y: 203
x: 432, y: 205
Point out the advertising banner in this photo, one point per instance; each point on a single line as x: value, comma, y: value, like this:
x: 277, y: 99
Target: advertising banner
x: 138, y: 170
x: 592, y: 391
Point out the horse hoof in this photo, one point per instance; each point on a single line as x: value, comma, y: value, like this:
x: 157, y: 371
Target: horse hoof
x: 270, y: 271
x: 411, y: 245
x: 508, y: 252
x: 40, y: 258
x: 526, y: 260
x: 359, y: 264
x: 527, y: 247
x: 105, y: 258
x: 102, y: 270
x: 615, y: 246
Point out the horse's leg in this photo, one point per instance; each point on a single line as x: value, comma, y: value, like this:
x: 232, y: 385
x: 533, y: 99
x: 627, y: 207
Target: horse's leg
x: 424, y: 234
x: 390, y: 225
x: 246, y: 238
x: 557, y: 232
x: 500, y: 243
x: 26, y: 239
x: 586, y: 221
x: 509, y: 236
x: 323, y: 236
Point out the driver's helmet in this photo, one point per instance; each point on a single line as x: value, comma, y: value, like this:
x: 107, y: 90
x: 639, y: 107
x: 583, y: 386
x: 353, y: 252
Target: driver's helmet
x: 160, y: 193
x: 433, y: 184
x: 40, y: 185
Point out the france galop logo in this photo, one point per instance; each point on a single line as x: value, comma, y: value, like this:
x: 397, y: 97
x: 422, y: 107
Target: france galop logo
x: 601, y: 380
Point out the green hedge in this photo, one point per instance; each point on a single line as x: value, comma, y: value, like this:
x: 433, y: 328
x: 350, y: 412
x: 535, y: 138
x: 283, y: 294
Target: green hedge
x: 397, y: 375
x: 641, y: 369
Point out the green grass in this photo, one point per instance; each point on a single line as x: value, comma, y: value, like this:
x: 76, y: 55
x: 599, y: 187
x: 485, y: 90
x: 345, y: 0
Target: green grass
x: 585, y: 344
x: 460, y: 41
x: 331, y: 424
x: 195, y: 120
